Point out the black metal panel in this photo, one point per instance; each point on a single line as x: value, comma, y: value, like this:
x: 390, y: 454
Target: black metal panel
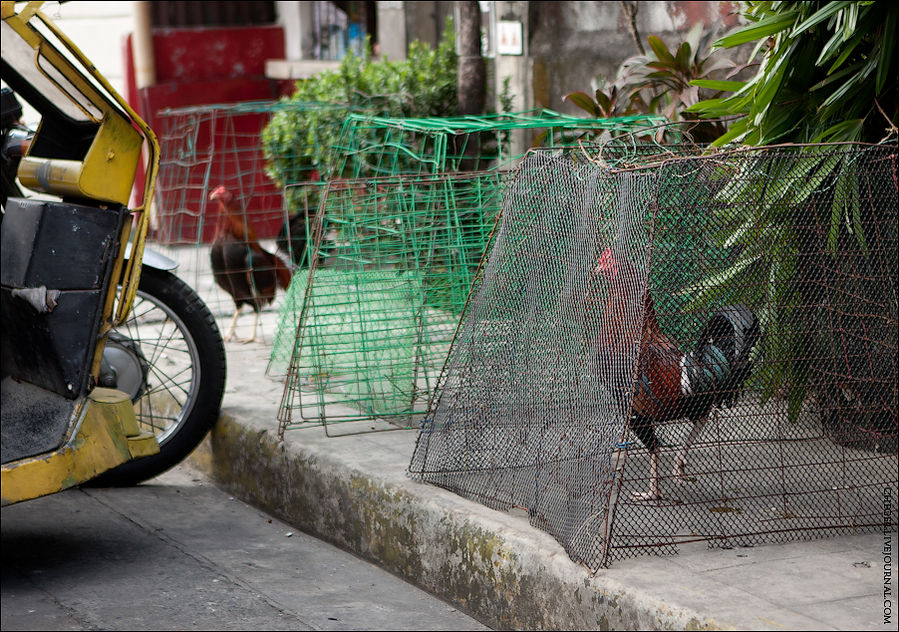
x: 53, y: 349
x: 62, y: 254
x: 60, y: 246
x: 33, y: 420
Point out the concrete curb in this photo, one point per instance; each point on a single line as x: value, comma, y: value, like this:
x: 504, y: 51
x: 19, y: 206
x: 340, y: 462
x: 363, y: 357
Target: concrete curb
x: 493, y: 565
x: 353, y: 492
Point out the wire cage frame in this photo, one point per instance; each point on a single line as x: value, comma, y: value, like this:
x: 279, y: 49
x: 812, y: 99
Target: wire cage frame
x: 370, y: 324
x: 205, y: 147
x: 416, y: 153
x: 694, y: 348
x: 372, y: 146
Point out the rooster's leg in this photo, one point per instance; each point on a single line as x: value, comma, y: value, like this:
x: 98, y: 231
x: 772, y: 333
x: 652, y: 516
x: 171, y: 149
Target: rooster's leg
x: 230, y: 334
x: 642, y: 427
x: 654, y: 493
x: 253, y: 338
x: 680, y: 461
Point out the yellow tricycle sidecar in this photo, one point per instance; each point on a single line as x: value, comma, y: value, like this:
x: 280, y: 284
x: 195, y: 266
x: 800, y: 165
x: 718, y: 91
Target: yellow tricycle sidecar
x: 65, y: 280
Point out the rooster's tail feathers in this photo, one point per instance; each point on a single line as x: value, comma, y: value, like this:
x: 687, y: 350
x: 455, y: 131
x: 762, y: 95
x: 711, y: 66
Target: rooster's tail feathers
x: 721, y: 363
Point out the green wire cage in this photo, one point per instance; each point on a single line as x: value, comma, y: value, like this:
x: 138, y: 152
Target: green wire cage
x: 370, y: 325
x: 371, y: 146
x: 397, y: 240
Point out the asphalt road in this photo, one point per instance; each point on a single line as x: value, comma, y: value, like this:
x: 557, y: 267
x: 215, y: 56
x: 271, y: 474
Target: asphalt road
x: 179, y: 554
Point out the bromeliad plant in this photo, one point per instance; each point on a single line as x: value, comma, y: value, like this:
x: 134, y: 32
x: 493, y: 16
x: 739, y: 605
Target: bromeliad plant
x: 663, y: 82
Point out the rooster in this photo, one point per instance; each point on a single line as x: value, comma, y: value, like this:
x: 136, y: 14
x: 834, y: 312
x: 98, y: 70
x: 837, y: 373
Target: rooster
x: 669, y: 384
x: 241, y: 267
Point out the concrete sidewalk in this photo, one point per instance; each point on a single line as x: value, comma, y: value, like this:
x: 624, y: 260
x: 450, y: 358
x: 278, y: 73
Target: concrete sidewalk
x: 353, y: 491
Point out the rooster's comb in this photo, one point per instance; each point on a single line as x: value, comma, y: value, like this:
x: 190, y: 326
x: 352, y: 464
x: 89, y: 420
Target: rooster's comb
x: 607, y: 259
x: 221, y: 193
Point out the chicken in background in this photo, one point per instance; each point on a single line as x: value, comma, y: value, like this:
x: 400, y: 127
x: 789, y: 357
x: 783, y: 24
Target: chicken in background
x: 669, y: 384
x: 242, y: 267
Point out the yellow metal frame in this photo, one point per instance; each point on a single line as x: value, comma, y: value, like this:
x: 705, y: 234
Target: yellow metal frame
x: 105, y: 435
x: 108, y: 170
x: 103, y: 431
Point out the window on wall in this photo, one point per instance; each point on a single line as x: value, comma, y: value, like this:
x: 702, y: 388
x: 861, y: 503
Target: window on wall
x: 339, y: 27
x: 202, y: 13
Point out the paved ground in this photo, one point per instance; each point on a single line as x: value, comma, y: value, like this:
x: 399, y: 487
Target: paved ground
x: 354, y: 491
x: 179, y: 554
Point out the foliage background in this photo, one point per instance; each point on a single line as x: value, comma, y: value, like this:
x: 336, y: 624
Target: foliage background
x: 298, y: 142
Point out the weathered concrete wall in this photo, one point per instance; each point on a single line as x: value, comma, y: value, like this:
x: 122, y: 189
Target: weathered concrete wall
x: 573, y: 42
x: 425, y: 20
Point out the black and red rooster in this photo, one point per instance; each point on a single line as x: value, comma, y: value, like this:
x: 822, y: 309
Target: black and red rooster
x: 669, y: 384
x: 242, y: 267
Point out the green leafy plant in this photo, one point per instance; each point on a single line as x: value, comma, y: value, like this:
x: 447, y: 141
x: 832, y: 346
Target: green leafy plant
x: 663, y: 82
x: 824, y: 75
x: 763, y: 213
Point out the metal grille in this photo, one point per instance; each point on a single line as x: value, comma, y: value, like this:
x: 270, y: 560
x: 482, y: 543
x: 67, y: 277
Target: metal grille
x: 680, y: 348
x: 336, y: 30
x: 218, y: 13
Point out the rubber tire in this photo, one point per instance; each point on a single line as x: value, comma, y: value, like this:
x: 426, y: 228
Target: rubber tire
x: 200, y: 325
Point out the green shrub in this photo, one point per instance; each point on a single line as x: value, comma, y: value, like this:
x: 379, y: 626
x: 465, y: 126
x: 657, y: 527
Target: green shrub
x: 824, y: 74
x: 300, y: 141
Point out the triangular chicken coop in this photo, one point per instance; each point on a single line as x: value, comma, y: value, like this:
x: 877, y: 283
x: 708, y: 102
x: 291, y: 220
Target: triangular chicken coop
x: 671, y: 347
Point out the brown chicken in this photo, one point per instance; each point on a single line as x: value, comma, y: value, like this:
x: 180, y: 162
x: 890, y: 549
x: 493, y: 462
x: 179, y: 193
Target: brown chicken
x: 670, y: 385
x: 242, y: 267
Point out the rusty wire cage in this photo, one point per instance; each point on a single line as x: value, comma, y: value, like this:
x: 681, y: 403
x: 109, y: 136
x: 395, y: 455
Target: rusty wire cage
x: 680, y: 348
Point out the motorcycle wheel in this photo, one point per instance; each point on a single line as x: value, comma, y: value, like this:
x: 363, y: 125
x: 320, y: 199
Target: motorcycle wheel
x: 169, y: 357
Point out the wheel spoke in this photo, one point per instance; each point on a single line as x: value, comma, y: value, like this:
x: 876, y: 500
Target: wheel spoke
x: 171, y: 360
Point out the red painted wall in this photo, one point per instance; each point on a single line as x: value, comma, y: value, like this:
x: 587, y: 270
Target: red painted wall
x: 205, y: 66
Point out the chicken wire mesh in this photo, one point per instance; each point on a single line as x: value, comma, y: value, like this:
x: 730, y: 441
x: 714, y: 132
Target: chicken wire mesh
x: 695, y: 348
x: 369, y: 326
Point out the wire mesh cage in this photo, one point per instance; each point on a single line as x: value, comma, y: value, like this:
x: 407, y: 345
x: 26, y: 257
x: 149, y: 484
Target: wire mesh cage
x: 444, y: 212
x: 369, y: 327
x: 693, y: 348
x: 251, y: 149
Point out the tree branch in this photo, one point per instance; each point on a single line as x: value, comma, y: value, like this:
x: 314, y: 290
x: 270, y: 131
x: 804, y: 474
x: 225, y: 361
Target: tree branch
x: 630, y: 10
